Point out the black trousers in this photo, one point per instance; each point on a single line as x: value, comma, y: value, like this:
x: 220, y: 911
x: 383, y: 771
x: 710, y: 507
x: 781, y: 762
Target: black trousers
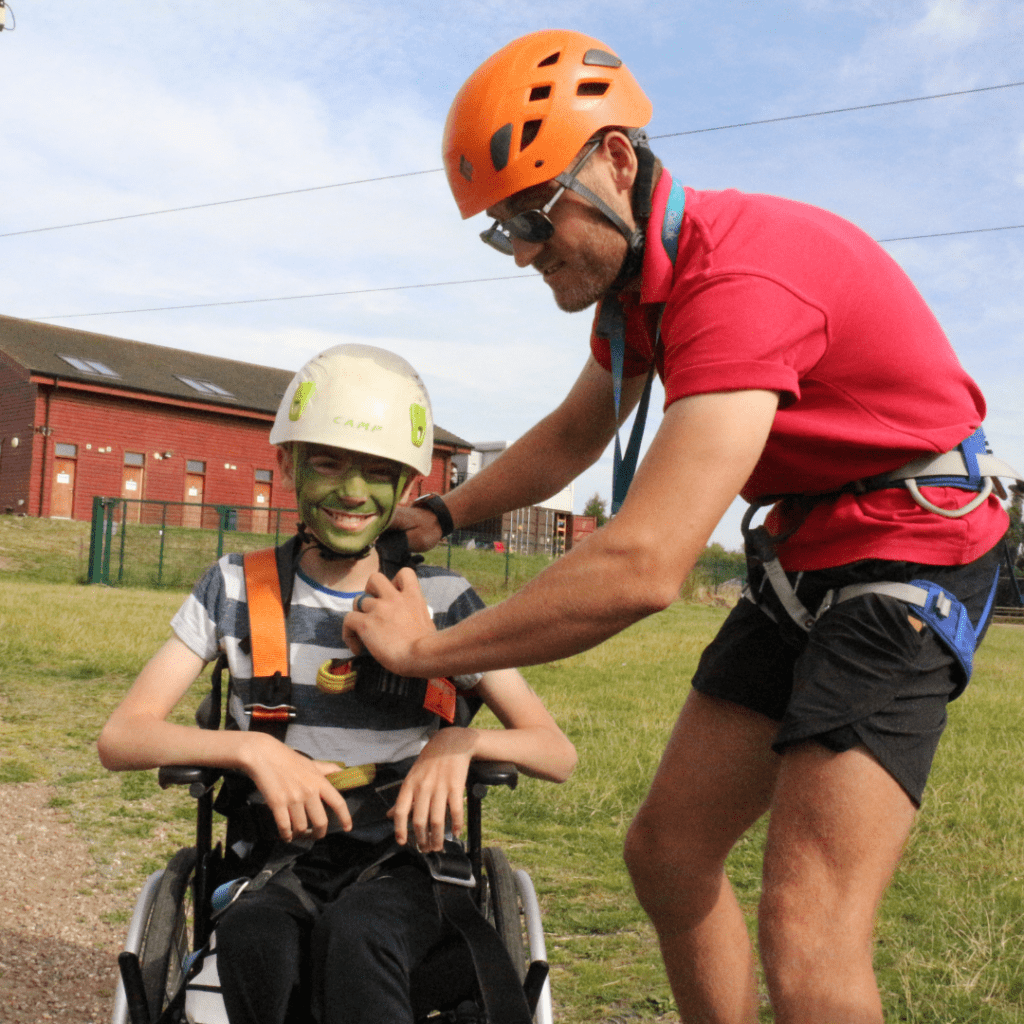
x: 349, y: 965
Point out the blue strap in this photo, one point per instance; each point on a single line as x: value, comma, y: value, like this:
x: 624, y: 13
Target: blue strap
x: 954, y: 628
x: 970, y: 448
x: 611, y: 324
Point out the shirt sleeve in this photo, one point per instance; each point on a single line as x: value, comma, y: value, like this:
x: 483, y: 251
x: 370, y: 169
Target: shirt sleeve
x: 195, y: 623
x: 736, y: 332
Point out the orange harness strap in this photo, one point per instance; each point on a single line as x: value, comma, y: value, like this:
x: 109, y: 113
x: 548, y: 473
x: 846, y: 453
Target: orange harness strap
x: 266, y: 614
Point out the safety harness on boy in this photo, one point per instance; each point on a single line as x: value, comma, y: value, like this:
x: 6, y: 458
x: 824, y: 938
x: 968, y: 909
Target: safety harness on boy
x: 269, y: 576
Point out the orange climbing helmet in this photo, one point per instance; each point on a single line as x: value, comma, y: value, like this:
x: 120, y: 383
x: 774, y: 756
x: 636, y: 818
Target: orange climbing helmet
x: 525, y: 113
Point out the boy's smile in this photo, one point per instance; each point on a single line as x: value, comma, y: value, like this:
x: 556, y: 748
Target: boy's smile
x: 345, y: 498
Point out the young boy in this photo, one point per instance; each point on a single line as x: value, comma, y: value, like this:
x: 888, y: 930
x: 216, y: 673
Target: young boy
x: 354, y: 430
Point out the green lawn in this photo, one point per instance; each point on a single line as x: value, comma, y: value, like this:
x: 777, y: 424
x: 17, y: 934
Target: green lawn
x: 950, y: 933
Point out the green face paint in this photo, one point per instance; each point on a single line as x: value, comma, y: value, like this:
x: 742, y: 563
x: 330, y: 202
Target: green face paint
x: 345, y: 498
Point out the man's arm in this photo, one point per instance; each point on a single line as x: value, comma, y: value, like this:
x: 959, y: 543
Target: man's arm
x: 543, y: 461
x: 700, y: 458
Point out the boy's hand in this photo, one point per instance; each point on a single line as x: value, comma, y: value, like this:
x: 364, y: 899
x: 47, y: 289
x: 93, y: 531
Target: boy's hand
x: 388, y: 620
x: 434, y: 789
x: 295, y: 788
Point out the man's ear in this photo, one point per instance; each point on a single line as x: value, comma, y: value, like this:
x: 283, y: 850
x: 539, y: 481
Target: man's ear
x: 285, y: 465
x: 618, y: 151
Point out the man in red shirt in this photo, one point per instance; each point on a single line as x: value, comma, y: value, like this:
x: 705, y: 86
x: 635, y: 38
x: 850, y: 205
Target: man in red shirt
x: 798, y: 360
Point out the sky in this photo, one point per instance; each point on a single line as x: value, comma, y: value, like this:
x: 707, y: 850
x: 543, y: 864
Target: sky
x: 120, y: 107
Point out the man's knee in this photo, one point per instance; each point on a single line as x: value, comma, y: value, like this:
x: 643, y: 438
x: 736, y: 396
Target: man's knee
x: 674, y: 874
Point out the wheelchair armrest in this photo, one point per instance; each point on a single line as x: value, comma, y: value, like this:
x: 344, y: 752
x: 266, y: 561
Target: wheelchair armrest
x: 199, y: 780
x: 492, y: 773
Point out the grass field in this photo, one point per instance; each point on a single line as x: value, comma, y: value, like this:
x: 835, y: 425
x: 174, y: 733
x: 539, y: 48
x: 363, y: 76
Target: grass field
x: 951, y: 931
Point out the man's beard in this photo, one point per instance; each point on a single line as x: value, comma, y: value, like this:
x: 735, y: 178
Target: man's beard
x: 592, y: 273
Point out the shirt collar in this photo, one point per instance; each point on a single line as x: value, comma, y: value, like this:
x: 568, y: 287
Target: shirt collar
x: 656, y: 278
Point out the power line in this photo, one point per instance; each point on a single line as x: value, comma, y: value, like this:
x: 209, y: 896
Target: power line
x: 947, y: 234
x: 437, y: 170
x: 219, y: 202
x: 289, y: 298
x: 436, y: 284
x: 841, y: 110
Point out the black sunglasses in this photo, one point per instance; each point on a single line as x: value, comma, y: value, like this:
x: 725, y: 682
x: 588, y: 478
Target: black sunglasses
x: 534, y: 226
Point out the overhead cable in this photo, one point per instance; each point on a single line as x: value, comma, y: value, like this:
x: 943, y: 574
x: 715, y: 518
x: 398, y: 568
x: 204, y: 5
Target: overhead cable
x: 288, y: 298
x: 434, y: 284
x: 437, y: 170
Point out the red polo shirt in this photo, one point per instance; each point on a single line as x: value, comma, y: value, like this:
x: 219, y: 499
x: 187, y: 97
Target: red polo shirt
x: 772, y: 294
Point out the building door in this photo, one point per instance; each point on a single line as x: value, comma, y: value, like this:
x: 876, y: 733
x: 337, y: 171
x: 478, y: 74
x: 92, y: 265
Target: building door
x: 195, y: 479
x: 62, y: 495
x: 261, y: 499
x: 131, y: 486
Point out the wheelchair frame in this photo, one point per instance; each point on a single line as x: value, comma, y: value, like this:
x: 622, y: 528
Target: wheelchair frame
x: 171, y: 920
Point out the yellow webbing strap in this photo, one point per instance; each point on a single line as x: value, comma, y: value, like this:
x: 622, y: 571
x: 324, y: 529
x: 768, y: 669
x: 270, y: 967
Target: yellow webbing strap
x: 266, y: 614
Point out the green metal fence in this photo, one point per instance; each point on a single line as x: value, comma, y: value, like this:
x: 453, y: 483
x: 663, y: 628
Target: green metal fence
x: 140, y: 543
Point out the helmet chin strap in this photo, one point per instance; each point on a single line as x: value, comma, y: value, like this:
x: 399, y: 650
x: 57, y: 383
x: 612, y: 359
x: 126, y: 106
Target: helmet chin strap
x: 329, y: 554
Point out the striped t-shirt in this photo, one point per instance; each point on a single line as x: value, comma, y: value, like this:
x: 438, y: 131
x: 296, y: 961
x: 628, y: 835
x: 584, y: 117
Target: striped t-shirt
x: 338, y: 727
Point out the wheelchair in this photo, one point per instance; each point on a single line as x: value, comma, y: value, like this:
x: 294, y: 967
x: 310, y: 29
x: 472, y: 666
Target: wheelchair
x: 168, y: 966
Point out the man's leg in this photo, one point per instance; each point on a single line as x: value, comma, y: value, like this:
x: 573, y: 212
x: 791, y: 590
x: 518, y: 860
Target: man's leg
x: 838, y: 826
x: 715, y: 780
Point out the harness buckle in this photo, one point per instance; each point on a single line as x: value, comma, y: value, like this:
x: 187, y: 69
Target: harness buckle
x: 451, y: 869
x: 270, y: 713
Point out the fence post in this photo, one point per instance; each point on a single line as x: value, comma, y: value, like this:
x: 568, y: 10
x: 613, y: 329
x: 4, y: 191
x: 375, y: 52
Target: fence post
x: 508, y: 552
x: 124, y: 530
x: 108, y: 539
x: 163, y: 538
x: 96, y: 541
x: 222, y: 513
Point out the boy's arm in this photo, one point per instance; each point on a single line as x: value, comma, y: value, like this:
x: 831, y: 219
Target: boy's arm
x: 137, y: 735
x: 435, y: 784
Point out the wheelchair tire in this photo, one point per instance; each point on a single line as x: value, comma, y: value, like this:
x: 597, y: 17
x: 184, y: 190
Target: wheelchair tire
x: 503, y: 907
x: 167, y: 940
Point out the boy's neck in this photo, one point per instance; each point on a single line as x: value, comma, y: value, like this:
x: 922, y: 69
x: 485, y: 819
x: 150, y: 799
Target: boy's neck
x: 343, y: 574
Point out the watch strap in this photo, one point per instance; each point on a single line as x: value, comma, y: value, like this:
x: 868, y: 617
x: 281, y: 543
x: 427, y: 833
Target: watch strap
x: 436, y: 504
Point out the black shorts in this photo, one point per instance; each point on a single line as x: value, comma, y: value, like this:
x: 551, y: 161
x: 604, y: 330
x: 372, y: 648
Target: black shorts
x: 863, y: 674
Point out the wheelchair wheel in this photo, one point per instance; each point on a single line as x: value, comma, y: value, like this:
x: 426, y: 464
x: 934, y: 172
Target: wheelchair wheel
x: 167, y: 940
x: 503, y: 907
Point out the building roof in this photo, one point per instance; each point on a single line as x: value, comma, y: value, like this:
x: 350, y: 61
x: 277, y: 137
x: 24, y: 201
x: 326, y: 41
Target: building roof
x: 138, y: 366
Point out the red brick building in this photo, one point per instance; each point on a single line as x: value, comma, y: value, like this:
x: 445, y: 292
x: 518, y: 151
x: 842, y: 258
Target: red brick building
x: 85, y: 414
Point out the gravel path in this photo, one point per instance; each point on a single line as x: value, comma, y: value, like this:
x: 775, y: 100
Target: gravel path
x: 58, y: 956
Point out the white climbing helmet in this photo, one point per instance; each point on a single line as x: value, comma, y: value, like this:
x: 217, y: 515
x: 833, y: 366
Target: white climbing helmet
x: 362, y: 398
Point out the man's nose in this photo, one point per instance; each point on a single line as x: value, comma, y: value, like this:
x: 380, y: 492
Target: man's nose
x: 525, y: 253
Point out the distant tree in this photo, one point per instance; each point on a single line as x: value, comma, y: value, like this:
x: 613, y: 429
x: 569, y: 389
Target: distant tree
x: 598, y: 508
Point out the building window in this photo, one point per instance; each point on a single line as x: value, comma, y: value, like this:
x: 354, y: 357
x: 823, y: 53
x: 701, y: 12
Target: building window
x: 66, y: 451
x: 192, y: 466
x: 133, y: 458
x: 264, y: 476
x: 90, y: 366
x: 205, y: 387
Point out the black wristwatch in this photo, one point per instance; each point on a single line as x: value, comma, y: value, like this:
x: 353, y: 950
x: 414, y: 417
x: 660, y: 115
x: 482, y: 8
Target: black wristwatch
x: 436, y: 504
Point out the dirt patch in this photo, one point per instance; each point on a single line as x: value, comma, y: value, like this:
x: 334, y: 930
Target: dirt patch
x: 58, y: 951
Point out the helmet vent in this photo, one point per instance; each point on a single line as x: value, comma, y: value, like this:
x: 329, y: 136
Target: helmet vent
x: 465, y: 168
x: 501, y: 147
x: 530, y: 130
x: 602, y: 59
x: 548, y: 61
x: 591, y: 88
x: 540, y: 92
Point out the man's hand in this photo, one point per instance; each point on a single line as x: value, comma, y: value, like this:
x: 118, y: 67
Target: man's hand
x: 434, y: 789
x: 392, y: 616
x: 295, y: 788
x: 420, y: 525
